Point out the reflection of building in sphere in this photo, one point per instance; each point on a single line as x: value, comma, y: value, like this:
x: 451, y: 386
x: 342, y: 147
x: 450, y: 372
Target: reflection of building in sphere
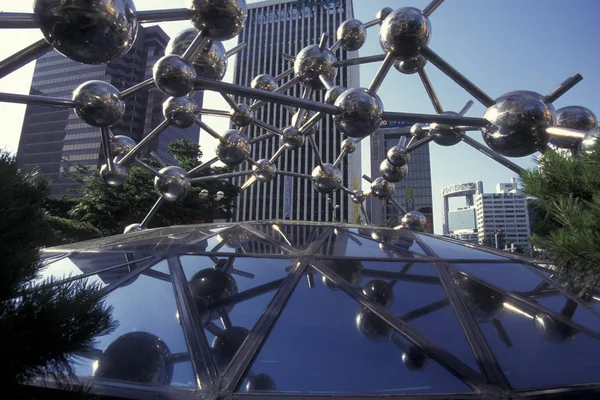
x: 211, y: 61
x: 226, y: 344
x: 360, y: 114
x: 382, y: 189
x: 379, y: 291
x: 327, y: 179
x: 241, y: 116
x: 174, y: 75
x: 220, y: 19
x: 181, y: 112
x: 210, y: 286
x: 121, y: 145
x: 348, y: 270
x: 573, y: 117
x: 372, y: 327
x: 312, y: 62
x: 445, y: 135
x: 414, y: 359
x: 98, y: 103
x: 264, y: 171
x: 264, y: 82
x: 116, y: 177
x: 414, y: 221
x: 392, y: 173
x: 233, y: 149
x: 404, y: 32
x: 552, y: 330
x: 352, y: 34
x: 410, y: 66
x: 333, y: 93
x: 292, y: 139
x: 172, y: 183
x: 484, y: 303
x: 398, y: 156
x: 305, y: 117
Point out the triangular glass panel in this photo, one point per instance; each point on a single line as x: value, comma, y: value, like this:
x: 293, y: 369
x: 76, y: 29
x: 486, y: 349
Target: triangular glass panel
x: 400, y: 239
x: 295, y: 236
x: 509, y: 277
x: 533, y: 349
x: 448, y: 250
x: 231, y: 293
x: 149, y: 346
x: 567, y: 307
x: 325, y: 343
x: 237, y: 240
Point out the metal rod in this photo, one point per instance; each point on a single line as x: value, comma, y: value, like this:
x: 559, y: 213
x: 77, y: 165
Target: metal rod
x: 24, y: 57
x: 284, y: 74
x: 363, y: 211
x: 316, y: 152
x: 280, y: 89
x: 371, y: 23
x: 137, y: 88
x: 229, y: 101
x: 306, y: 94
x: 220, y: 176
x: 209, y: 111
x: 249, y: 182
x: 262, y: 138
x: 176, y: 14
x: 466, y: 108
x: 440, y: 119
x: 36, y: 100
x: 367, y: 178
x: 493, y: 155
x: 234, y: 50
x: 419, y: 143
x: 323, y: 41
x: 429, y: 308
x: 249, y: 294
x: 266, y: 126
x: 381, y: 73
x: 359, y: 60
x: 564, y: 87
x: 336, y: 45
x: 398, y: 205
x: 278, y: 153
x: 128, y: 277
x: 152, y: 211
x: 14, y: 20
x: 208, y: 84
x: 151, y: 136
x: 208, y: 129
x: 203, y: 166
x: 288, y: 57
x: 197, y: 45
x: 106, y: 148
x: 340, y: 157
x: 157, y: 158
x: 565, y: 132
x: 430, y: 8
x: 325, y: 82
x: 189, y: 317
x: 430, y: 92
x: 158, y: 275
x: 225, y: 320
x: 295, y: 174
x: 457, y: 77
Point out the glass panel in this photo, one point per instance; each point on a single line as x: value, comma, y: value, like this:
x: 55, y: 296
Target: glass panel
x: 315, y: 347
x: 298, y: 237
x: 449, y: 250
x: 402, y: 240
x: 509, y: 277
x: 535, y: 351
x: 569, y: 308
x: 233, y: 292
x: 148, y: 346
x: 240, y: 241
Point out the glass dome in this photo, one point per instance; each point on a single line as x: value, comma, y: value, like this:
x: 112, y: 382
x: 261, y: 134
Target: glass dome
x: 286, y: 309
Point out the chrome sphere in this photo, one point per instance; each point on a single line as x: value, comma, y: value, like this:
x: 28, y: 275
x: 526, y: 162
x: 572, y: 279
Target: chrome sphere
x: 410, y: 66
x: 264, y: 82
x: 382, y: 189
x: 226, y: 344
x: 349, y: 270
x: 418, y: 131
x: 116, y: 177
x: 358, y: 196
x: 89, y: 32
x: 219, y: 196
x: 372, y: 327
x: 139, y: 357
x: 292, y: 139
x: 383, y: 13
x: 172, y: 183
x: 242, y: 116
x: 414, y: 221
x: 333, y: 93
x: 181, y: 112
x: 348, y: 146
x: 446, y: 135
x: 392, y: 173
x: 484, y: 303
x: 404, y: 31
x: 327, y: 179
x: 211, y: 285
x: 264, y: 171
x: 414, y: 359
x: 380, y: 292
x: 305, y: 117
x: 98, y: 104
x: 552, y: 330
x: 352, y: 34
x: 121, y: 145
x: 260, y: 383
x: 518, y: 123
x: 210, y: 63
x: 133, y: 228
x: 221, y: 19
x: 398, y: 156
x: 589, y: 140
x: 361, y: 112
x: 233, y: 149
x: 313, y: 61
x: 573, y: 117
x: 174, y: 76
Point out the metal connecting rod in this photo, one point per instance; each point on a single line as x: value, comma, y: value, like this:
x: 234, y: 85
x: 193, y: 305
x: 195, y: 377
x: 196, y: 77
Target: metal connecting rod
x: 24, y: 57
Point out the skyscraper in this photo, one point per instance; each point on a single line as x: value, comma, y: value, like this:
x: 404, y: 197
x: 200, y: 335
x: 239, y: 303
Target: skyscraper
x: 55, y: 140
x: 414, y: 191
x: 275, y: 28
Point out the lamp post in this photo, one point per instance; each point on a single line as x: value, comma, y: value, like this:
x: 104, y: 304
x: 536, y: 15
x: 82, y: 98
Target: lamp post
x: 496, y: 236
x: 334, y: 208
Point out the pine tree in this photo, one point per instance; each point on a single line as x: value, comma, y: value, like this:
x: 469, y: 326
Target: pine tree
x: 41, y: 324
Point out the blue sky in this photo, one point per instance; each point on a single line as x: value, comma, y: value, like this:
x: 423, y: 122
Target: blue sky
x: 500, y: 45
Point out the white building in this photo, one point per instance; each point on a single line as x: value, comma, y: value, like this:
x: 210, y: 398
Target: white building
x: 466, y: 235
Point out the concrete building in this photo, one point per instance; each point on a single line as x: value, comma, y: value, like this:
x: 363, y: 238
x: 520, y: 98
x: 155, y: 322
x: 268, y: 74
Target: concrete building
x: 275, y: 28
x: 462, y: 219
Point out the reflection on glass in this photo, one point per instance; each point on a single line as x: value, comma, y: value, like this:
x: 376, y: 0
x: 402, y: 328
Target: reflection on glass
x: 445, y: 249
x: 510, y: 277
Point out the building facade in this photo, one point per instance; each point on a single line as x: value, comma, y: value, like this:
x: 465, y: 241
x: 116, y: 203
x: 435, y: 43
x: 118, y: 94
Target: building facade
x: 275, y: 28
x: 56, y: 141
x: 462, y: 219
x: 414, y: 191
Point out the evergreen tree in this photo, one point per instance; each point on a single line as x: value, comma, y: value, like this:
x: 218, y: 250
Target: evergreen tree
x: 42, y: 324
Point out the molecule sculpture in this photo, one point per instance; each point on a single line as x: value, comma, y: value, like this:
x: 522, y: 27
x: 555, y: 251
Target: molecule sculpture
x: 516, y: 124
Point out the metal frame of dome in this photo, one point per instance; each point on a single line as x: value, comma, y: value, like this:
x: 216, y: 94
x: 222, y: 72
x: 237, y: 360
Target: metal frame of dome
x: 328, y: 251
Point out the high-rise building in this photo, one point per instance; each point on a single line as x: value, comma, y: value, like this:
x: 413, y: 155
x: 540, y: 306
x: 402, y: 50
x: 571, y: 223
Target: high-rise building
x: 275, y: 28
x: 466, y: 190
x: 414, y: 191
x: 462, y: 219
x: 55, y: 140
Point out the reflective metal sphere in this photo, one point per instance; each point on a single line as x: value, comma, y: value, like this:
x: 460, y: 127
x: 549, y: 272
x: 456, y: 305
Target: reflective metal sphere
x: 226, y: 344
x: 349, y: 146
x: 211, y: 285
x: 414, y: 221
x: 398, y: 156
x: 573, y: 117
x: 358, y: 196
x: 181, y: 112
x: 292, y: 139
x: 446, y: 135
x: 174, y: 76
x: 233, y: 149
x: 172, y: 183
x: 116, y: 177
x: 410, y: 66
x: 90, y: 32
x: 260, y: 383
x: 327, y: 179
x: 305, y: 117
x: 121, y: 145
x: 221, y: 19
x: 133, y: 228
x: 372, y: 327
x: 349, y: 270
x: 242, y: 116
x: 383, y: 13
x: 382, y: 189
x: 552, y: 330
x: 589, y: 140
x: 219, y: 196
x: 352, y: 34
x: 313, y: 61
x: 385, y: 236
x: 264, y: 82
x: 484, y: 303
x: 98, y: 103
x: 264, y: 171
x: 361, y: 112
x: 333, y: 93
x: 380, y: 292
x: 392, y: 173
x: 418, y: 131
x: 414, y: 359
x: 210, y: 63
x: 518, y: 123
x: 404, y: 31
x: 136, y: 357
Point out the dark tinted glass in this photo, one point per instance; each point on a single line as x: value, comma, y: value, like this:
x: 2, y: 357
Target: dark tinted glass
x: 509, y: 277
x: 445, y: 249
